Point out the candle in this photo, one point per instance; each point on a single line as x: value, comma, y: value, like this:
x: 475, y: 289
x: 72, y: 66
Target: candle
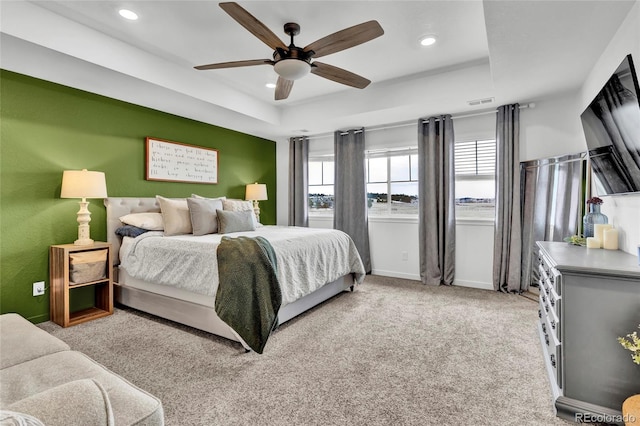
x: 593, y: 242
x: 598, y: 230
x: 610, y: 241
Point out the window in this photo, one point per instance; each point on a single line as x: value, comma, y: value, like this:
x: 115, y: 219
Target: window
x: 475, y: 179
x: 392, y: 182
x: 321, y: 175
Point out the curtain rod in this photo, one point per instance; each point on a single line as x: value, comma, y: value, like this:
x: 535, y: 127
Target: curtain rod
x: 413, y: 122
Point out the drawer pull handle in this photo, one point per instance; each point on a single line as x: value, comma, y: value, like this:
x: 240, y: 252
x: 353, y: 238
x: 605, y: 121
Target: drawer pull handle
x: 553, y: 359
x: 553, y: 324
x: 544, y: 299
x: 553, y: 302
x: 539, y: 313
x: 546, y: 308
x: 544, y: 328
x: 546, y: 338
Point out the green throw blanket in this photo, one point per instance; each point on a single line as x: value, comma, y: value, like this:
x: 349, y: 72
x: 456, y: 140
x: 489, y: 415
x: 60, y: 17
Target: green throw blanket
x: 248, y: 297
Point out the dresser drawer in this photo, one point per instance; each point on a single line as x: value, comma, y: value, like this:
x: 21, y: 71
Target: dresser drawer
x: 553, y: 352
x: 553, y: 325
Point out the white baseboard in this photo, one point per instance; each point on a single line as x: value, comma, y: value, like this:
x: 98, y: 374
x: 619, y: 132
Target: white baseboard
x: 415, y: 277
x: 473, y: 284
x: 395, y: 274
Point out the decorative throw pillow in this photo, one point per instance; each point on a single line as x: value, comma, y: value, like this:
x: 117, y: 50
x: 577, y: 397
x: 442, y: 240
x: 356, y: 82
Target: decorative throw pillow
x: 203, y: 215
x: 130, y: 231
x: 150, y: 221
x: 229, y: 222
x: 208, y: 198
x: 13, y: 418
x: 237, y: 205
x: 240, y: 206
x: 175, y: 215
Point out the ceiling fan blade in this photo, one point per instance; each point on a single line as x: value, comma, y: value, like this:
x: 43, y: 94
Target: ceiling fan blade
x: 235, y: 64
x: 339, y: 75
x: 283, y: 88
x: 252, y: 24
x: 345, y: 39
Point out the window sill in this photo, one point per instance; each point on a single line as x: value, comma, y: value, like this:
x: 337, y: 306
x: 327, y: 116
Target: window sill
x: 410, y: 219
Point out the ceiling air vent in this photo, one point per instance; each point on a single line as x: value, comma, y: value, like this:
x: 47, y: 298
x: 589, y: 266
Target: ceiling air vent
x: 480, y: 101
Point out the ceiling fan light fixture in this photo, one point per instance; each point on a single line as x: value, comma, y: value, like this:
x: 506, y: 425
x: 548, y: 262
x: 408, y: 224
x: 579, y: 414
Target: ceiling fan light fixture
x: 427, y: 40
x: 128, y: 14
x: 292, y: 69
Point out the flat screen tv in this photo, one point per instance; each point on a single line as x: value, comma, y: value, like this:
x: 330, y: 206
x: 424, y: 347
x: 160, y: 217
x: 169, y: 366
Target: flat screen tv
x: 611, y: 125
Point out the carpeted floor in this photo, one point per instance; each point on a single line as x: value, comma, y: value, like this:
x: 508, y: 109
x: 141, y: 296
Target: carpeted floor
x: 394, y: 352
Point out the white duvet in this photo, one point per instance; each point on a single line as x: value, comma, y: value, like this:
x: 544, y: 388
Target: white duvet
x: 307, y: 258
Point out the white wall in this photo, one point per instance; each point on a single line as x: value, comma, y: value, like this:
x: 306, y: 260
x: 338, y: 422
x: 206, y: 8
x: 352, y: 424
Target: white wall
x: 551, y: 129
x: 395, y: 253
x: 623, y: 210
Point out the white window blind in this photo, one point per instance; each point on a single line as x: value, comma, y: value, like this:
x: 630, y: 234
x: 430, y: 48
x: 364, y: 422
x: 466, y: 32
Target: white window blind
x: 475, y: 158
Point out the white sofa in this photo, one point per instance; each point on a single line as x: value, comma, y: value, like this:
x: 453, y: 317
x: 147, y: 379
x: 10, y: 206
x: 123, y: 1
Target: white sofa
x: 42, y: 381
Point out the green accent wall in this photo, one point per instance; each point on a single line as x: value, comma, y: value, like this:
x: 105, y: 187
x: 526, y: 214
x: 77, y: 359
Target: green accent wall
x: 46, y: 128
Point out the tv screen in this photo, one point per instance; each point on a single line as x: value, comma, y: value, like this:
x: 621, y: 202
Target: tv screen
x: 611, y: 125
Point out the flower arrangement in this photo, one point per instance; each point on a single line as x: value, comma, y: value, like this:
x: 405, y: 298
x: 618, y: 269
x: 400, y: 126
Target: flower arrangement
x: 632, y: 343
x: 594, y: 200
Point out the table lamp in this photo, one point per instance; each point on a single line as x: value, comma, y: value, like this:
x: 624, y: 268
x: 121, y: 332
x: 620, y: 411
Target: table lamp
x: 256, y: 192
x: 83, y: 184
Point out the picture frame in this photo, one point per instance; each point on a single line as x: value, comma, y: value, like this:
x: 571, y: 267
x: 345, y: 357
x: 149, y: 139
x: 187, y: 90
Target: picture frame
x: 180, y: 162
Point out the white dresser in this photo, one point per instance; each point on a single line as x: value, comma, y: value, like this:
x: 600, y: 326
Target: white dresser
x: 588, y: 297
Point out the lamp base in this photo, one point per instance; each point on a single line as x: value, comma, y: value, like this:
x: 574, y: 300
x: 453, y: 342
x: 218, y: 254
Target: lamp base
x: 256, y: 210
x: 84, y: 217
x: 85, y: 242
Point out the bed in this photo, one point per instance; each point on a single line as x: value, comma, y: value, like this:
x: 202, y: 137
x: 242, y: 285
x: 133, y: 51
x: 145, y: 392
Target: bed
x: 181, y: 300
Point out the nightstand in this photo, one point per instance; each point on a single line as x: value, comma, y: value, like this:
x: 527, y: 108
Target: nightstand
x: 68, y: 272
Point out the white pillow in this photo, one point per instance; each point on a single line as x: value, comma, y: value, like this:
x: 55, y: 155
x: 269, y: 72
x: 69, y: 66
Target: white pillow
x: 207, y: 198
x: 151, y: 221
x: 240, y: 206
x: 236, y: 205
x: 175, y: 214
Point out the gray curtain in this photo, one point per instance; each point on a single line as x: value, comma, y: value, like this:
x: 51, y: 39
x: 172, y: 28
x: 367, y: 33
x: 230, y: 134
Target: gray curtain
x: 298, y: 181
x: 350, y: 208
x: 436, y: 194
x: 552, y: 199
x: 507, y: 245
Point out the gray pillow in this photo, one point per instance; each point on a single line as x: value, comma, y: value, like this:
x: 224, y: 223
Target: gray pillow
x: 235, y: 221
x: 204, y: 219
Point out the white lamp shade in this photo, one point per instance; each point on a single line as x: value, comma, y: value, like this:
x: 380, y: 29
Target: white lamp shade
x: 83, y: 184
x: 256, y: 192
x: 292, y: 69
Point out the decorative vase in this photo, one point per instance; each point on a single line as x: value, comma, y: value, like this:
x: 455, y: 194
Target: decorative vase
x: 593, y: 217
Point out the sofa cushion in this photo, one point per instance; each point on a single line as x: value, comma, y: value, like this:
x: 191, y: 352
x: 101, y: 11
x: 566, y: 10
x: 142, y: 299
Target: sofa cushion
x: 130, y: 405
x: 21, y: 341
x: 77, y: 403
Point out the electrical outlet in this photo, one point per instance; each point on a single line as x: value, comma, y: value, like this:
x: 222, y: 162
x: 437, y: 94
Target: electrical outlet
x: 38, y: 288
x: 405, y: 256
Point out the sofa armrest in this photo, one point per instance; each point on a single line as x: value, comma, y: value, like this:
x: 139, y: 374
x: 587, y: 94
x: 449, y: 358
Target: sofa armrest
x: 80, y: 402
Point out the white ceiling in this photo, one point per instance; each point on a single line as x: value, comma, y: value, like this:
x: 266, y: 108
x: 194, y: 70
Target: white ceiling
x: 513, y: 51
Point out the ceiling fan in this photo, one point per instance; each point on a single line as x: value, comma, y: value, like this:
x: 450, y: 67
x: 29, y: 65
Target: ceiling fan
x: 293, y: 62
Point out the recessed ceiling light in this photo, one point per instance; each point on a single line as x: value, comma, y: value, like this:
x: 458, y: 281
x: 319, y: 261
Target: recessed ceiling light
x: 270, y: 85
x: 427, y: 40
x: 128, y: 14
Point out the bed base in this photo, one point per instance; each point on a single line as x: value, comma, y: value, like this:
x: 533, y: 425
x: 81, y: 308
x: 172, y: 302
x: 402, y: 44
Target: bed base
x: 205, y: 318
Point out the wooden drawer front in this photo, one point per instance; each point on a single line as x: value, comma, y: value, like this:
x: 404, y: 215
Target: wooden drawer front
x: 553, y: 325
x: 555, y: 278
x: 553, y: 351
x: 555, y: 301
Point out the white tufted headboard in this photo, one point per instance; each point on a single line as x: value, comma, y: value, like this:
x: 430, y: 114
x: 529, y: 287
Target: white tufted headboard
x: 120, y: 206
